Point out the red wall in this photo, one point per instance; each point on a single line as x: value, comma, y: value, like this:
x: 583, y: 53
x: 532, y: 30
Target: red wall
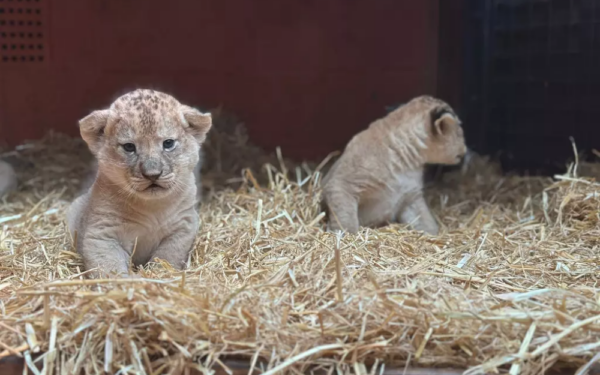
x: 304, y: 74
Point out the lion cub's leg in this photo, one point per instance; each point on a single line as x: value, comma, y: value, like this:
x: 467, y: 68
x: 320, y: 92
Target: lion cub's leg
x: 343, y: 210
x: 107, y: 256
x: 175, y: 248
x: 417, y: 214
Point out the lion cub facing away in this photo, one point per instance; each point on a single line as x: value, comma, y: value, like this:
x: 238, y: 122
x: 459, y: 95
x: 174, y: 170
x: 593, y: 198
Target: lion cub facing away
x: 379, y: 177
x: 142, y: 203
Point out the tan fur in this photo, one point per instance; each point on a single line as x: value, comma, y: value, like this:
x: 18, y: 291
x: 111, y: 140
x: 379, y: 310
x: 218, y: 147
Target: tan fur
x: 90, y: 177
x: 123, y: 206
x: 379, y: 177
x: 8, y: 178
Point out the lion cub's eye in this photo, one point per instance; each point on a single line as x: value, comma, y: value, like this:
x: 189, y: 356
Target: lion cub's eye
x: 168, y: 144
x: 129, y: 147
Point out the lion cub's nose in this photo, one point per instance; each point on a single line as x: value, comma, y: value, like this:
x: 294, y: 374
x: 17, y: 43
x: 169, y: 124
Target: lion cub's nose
x: 152, y: 176
x: 151, y: 170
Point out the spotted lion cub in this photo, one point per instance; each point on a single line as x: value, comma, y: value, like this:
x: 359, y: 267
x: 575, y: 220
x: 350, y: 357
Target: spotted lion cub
x: 142, y: 204
x: 379, y: 177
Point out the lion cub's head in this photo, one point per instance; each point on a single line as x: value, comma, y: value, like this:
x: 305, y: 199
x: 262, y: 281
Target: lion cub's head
x: 146, y: 143
x: 436, y: 126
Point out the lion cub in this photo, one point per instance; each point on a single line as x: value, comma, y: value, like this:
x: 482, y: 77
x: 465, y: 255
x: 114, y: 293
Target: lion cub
x: 379, y: 177
x: 142, y: 204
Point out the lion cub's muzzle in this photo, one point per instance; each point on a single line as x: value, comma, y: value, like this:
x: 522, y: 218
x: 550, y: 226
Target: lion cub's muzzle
x: 151, y: 169
x: 153, y: 172
x: 152, y: 176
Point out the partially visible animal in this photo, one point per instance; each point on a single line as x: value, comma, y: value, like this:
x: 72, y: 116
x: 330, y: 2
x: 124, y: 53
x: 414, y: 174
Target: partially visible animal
x: 142, y: 203
x: 379, y: 177
x: 8, y: 178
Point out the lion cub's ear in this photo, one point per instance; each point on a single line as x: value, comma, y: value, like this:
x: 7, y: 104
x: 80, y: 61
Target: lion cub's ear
x: 196, y: 123
x: 444, y: 123
x: 92, y: 129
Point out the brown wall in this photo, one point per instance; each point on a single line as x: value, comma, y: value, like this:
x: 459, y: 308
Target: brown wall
x: 304, y: 74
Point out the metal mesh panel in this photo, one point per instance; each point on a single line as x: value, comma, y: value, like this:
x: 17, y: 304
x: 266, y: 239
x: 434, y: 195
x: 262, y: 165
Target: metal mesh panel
x: 22, y: 36
x: 540, y: 82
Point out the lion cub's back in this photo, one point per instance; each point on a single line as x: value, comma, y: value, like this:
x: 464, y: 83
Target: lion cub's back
x: 363, y: 164
x: 76, y: 215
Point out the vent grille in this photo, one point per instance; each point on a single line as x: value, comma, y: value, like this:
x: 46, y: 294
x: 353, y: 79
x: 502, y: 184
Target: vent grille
x: 22, y: 36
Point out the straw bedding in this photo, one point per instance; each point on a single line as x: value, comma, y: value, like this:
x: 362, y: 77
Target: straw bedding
x: 510, y: 285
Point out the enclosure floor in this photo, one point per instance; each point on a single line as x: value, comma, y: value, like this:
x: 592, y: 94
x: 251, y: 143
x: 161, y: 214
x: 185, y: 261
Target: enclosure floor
x: 511, y: 283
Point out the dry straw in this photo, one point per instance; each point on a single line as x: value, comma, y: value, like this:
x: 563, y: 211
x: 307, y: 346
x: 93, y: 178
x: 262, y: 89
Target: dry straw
x: 510, y: 284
